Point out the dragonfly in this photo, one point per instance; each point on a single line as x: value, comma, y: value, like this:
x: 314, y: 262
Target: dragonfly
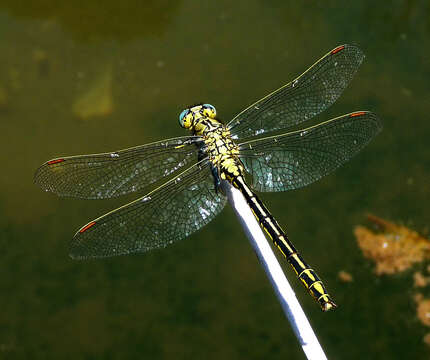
x: 253, y: 145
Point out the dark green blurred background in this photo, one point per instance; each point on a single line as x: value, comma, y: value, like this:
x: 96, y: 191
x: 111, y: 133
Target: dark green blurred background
x: 91, y: 76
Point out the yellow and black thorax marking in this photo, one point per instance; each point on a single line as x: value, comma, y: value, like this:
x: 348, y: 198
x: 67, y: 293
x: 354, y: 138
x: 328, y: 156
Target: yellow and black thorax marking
x: 222, y: 151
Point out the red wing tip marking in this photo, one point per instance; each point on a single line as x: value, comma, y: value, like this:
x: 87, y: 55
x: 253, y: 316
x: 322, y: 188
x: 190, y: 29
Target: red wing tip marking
x: 358, y: 113
x: 86, y: 227
x: 56, y: 161
x: 336, y: 50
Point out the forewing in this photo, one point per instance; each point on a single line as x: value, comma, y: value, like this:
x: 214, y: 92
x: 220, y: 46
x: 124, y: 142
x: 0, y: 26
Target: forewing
x: 296, y: 159
x: 164, y: 216
x: 308, y: 95
x: 108, y: 175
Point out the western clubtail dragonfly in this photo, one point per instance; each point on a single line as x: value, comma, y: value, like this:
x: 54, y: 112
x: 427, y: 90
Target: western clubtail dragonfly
x: 195, y: 165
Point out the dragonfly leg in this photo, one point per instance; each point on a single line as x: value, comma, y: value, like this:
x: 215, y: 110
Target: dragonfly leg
x: 217, y: 180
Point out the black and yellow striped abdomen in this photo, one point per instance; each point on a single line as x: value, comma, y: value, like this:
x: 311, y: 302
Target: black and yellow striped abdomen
x: 307, y: 275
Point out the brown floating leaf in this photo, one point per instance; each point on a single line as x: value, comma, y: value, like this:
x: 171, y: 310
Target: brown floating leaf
x: 394, y: 248
x: 426, y: 339
x: 420, y: 280
x: 344, y: 276
x: 423, y: 311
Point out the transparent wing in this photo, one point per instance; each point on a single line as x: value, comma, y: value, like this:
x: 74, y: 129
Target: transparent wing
x: 308, y: 95
x: 165, y: 215
x: 107, y: 175
x: 296, y: 159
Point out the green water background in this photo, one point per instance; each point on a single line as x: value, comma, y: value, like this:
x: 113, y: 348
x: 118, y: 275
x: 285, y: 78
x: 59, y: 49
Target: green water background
x: 207, y: 296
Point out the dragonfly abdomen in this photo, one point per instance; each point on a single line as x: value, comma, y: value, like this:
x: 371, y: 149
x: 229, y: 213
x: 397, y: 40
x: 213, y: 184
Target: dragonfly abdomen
x: 306, y: 274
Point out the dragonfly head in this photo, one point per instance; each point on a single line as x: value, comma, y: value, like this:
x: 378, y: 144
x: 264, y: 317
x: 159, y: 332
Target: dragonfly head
x: 190, y: 117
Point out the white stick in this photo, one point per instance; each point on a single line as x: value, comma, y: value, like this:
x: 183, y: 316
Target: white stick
x: 283, y: 290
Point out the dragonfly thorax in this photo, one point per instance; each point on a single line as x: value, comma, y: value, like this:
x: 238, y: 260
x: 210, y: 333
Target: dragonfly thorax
x: 223, y: 153
x: 220, y: 148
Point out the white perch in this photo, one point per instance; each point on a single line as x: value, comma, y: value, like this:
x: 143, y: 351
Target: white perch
x: 286, y: 296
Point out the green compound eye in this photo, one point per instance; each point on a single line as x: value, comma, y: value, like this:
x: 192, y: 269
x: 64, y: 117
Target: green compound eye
x: 209, y: 110
x: 182, y: 115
